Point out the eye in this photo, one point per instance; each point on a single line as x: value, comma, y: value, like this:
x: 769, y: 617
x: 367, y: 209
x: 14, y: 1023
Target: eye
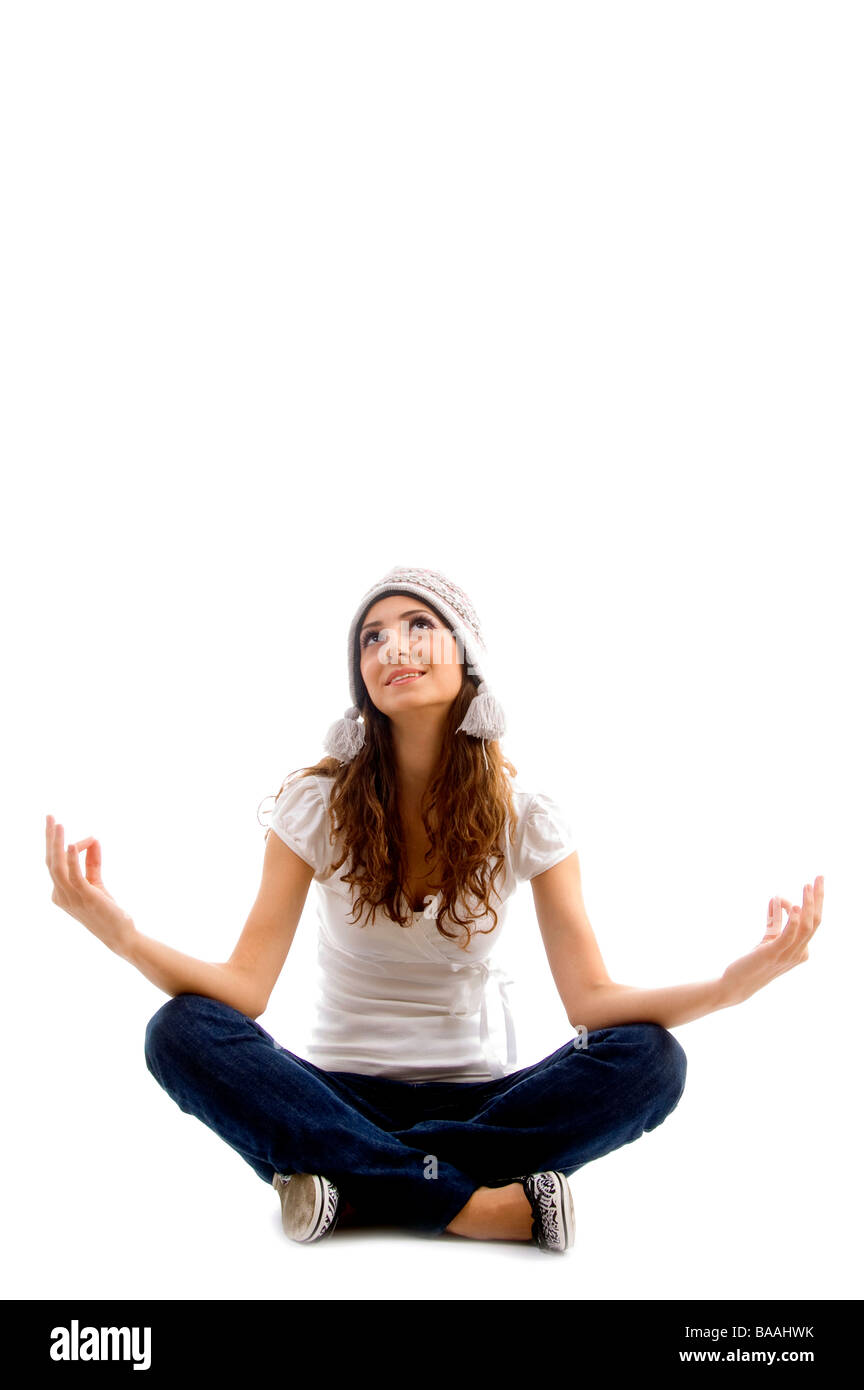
x: 372, y: 636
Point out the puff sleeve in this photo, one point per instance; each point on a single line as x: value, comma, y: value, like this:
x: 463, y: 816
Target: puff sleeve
x: 544, y: 836
x: 300, y: 818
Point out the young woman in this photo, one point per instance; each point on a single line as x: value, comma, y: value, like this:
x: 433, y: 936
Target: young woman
x: 403, y: 1112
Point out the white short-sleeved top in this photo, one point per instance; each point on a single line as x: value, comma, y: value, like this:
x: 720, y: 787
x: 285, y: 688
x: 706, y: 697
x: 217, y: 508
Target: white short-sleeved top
x: 406, y: 1002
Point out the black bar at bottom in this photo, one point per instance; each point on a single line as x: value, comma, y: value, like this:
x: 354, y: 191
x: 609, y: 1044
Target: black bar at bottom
x: 260, y: 1339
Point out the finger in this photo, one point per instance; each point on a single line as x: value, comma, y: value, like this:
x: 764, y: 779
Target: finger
x: 808, y: 911
x: 87, y: 843
x: 819, y: 895
x: 50, y: 829
x: 786, y: 934
x: 773, y: 927
x: 796, y: 930
x: 76, y: 878
x: 94, y: 861
x: 807, y: 907
x: 59, y: 868
x: 814, y: 916
x: 798, y: 918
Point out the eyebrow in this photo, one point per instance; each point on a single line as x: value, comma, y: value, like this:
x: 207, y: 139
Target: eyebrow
x: 409, y: 613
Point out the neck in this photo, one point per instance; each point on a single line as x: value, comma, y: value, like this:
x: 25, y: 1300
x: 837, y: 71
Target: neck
x: 418, y: 752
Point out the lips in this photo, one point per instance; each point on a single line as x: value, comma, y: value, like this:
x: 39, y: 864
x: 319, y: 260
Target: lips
x: 406, y: 677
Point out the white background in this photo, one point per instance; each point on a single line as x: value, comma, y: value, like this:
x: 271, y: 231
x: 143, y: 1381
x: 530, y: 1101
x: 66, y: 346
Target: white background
x: 564, y: 300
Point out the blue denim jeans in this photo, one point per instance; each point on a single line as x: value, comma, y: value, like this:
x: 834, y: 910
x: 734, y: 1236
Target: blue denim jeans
x: 406, y: 1153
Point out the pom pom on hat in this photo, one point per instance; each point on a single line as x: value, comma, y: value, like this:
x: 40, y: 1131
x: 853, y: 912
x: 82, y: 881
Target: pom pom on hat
x: 346, y: 737
x: 485, y: 717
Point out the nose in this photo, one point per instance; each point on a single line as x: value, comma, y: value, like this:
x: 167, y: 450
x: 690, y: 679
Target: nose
x: 398, y: 649
x: 390, y: 649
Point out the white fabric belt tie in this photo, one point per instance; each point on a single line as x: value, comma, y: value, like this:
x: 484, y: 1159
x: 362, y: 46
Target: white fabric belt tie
x: 478, y: 972
x: 470, y: 976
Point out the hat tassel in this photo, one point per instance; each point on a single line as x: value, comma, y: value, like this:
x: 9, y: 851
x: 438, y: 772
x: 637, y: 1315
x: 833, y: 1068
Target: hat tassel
x: 485, y: 717
x: 346, y: 737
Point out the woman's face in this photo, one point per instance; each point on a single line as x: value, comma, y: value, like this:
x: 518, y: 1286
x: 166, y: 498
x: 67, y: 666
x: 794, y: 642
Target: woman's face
x: 402, y: 636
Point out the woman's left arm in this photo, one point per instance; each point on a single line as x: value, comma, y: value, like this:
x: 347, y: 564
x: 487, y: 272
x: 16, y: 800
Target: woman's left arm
x: 592, y: 1000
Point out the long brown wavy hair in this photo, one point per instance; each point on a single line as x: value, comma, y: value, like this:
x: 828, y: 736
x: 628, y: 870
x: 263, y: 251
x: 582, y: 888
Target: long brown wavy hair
x: 464, y: 810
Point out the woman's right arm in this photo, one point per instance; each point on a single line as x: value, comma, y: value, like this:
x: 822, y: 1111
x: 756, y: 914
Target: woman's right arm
x: 245, y: 981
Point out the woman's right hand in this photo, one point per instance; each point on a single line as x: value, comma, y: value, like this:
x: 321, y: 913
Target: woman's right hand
x: 86, y: 899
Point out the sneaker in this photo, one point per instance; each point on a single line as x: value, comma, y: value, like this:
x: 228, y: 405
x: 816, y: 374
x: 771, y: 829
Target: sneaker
x: 311, y: 1205
x: 552, y: 1205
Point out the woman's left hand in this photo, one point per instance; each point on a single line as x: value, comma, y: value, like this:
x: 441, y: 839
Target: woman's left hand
x: 781, y: 947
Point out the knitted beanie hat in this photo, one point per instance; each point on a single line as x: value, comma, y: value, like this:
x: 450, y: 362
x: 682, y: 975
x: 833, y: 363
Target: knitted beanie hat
x: 485, y: 718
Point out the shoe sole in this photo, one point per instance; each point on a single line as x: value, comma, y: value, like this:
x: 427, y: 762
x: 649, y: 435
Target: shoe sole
x: 304, y: 1203
x: 568, y: 1215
